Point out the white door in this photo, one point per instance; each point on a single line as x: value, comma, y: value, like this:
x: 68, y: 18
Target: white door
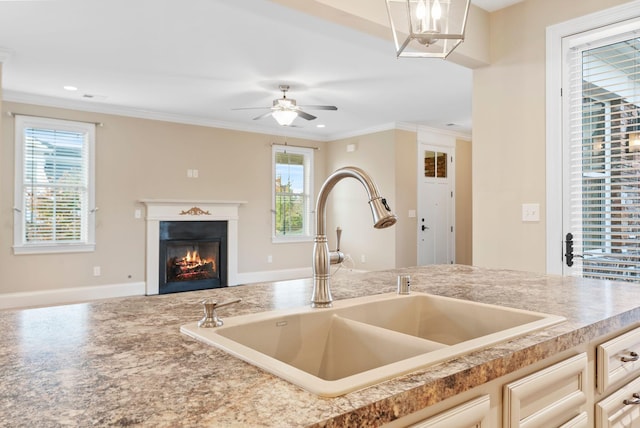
x: 435, y: 205
x: 601, y: 187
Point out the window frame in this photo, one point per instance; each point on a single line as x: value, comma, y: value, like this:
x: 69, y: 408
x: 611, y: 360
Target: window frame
x: 20, y: 244
x: 308, y: 193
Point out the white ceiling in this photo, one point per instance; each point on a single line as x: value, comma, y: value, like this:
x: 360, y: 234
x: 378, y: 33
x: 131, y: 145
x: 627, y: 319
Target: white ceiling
x: 194, y: 61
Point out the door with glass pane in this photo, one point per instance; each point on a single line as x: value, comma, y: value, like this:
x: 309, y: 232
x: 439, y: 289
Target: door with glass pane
x: 435, y: 206
x: 601, y: 173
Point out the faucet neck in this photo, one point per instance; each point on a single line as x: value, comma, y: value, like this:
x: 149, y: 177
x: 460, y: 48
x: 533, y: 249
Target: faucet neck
x: 330, y: 182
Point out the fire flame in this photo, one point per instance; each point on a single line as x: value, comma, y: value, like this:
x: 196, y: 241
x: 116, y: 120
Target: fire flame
x: 192, y: 258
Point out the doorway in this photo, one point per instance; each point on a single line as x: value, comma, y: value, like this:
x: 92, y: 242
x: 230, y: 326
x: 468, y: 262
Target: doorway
x: 436, y: 204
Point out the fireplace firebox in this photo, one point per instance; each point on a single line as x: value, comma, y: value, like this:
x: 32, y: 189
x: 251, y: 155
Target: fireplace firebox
x: 193, y: 255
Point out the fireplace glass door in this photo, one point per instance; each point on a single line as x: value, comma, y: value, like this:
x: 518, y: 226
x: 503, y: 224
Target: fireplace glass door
x: 192, y: 256
x: 192, y: 261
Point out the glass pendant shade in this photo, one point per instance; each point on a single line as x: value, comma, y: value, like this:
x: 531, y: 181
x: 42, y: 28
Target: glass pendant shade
x: 284, y: 117
x: 427, y: 28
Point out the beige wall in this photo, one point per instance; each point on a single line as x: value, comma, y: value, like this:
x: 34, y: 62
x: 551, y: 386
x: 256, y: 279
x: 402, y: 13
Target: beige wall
x: 146, y: 159
x: 348, y: 207
x: 509, y: 133
x: 406, y: 182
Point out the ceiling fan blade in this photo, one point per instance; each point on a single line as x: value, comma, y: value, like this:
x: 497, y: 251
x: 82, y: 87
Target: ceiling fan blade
x: 263, y: 115
x: 250, y: 108
x: 320, y: 107
x: 304, y: 115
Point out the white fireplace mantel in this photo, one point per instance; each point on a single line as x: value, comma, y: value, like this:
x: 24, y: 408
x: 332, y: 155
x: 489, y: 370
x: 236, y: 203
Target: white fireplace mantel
x: 186, y: 210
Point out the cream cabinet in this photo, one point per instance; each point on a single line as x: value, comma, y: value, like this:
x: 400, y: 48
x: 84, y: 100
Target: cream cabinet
x: 552, y: 397
x: 618, y: 361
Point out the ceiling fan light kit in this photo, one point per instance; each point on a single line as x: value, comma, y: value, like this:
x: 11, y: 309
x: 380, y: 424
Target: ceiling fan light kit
x: 427, y: 28
x: 285, y: 110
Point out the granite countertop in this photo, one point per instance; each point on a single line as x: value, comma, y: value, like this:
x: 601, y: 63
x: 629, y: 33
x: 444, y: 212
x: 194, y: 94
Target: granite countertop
x: 124, y: 362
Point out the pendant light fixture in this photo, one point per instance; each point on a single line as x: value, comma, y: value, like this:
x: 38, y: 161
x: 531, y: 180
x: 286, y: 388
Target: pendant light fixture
x: 427, y: 28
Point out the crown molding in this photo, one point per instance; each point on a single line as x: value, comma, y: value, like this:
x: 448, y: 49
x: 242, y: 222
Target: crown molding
x: 365, y: 131
x: 86, y: 106
x: 457, y: 134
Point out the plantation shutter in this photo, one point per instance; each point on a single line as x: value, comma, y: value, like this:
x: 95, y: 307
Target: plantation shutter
x: 55, y: 186
x: 604, y: 158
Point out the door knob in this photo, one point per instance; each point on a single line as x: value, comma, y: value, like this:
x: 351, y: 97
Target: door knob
x: 424, y: 228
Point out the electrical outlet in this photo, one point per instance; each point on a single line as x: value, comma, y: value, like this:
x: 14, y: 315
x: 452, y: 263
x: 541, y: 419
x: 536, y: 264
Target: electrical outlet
x: 190, y: 173
x: 195, y: 173
x: 137, y: 213
x: 96, y: 271
x: 363, y: 258
x: 269, y: 259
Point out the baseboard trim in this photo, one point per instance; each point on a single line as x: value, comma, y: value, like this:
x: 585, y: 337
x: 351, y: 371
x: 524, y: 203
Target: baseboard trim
x: 63, y: 296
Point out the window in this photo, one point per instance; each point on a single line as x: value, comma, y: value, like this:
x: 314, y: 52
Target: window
x: 292, y: 198
x: 435, y: 164
x: 603, y: 192
x: 54, y: 195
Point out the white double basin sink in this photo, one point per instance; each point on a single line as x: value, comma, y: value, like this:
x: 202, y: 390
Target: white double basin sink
x: 366, y: 340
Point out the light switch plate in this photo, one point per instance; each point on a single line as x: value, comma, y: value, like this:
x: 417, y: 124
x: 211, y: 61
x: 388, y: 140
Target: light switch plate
x: 530, y: 212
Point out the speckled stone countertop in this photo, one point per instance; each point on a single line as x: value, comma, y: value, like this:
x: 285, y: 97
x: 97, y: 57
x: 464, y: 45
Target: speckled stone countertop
x: 124, y: 362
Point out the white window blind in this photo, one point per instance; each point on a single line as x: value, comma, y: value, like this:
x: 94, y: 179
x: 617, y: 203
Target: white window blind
x: 604, y: 158
x: 54, y: 185
x: 292, y: 197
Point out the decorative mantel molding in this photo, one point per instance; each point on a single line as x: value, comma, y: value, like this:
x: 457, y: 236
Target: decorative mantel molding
x: 188, y: 210
x: 195, y: 211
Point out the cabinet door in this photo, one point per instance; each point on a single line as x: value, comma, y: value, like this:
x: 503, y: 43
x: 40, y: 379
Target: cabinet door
x: 619, y: 409
x: 474, y: 413
x: 550, y: 397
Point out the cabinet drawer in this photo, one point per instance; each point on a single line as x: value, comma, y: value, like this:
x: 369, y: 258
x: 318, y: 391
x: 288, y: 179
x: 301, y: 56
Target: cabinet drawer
x: 474, y: 413
x: 614, y: 412
x: 618, y: 359
x: 550, y: 397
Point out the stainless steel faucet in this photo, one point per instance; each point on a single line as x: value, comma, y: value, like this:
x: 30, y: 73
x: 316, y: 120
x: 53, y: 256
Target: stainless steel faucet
x: 322, y: 257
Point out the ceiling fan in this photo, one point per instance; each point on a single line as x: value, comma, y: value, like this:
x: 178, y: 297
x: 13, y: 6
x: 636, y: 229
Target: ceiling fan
x: 285, y: 110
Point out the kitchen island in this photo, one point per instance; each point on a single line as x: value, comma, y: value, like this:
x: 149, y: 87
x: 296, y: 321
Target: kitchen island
x: 124, y: 362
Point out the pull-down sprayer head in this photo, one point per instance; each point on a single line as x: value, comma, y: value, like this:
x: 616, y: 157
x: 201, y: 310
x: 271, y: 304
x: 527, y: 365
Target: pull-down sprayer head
x: 382, y: 215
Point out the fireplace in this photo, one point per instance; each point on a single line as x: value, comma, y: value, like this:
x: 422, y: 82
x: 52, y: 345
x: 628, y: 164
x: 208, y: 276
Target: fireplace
x: 160, y: 211
x: 192, y: 255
